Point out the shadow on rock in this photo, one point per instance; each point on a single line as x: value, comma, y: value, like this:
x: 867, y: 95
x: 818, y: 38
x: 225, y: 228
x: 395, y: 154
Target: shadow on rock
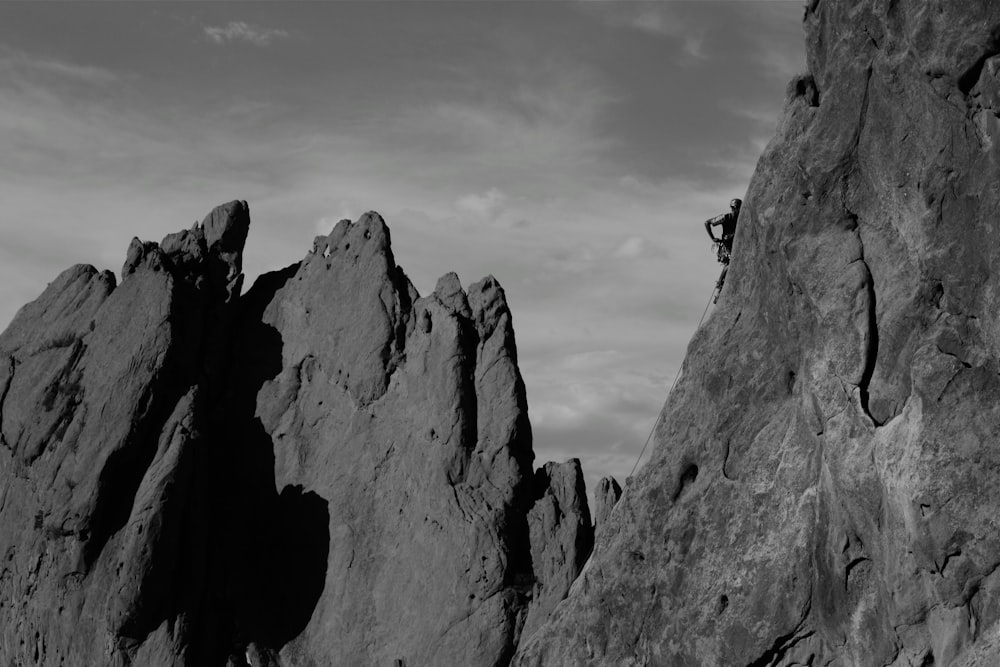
x: 296, y: 565
x: 276, y: 546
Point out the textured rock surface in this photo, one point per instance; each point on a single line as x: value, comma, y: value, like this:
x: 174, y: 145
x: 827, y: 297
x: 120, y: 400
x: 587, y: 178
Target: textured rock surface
x: 327, y: 470
x: 824, y: 485
x: 102, y: 389
x: 412, y: 442
x: 606, y: 496
x: 561, y: 537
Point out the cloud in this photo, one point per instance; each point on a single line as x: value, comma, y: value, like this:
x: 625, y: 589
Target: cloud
x: 631, y: 248
x: 85, y: 73
x: 653, y: 19
x: 235, y: 31
x: 656, y: 19
x: 31, y: 66
x: 483, y: 205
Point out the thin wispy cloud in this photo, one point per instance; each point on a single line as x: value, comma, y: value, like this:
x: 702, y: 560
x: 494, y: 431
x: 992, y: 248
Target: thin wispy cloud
x: 240, y: 31
x: 632, y: 247
x: 655, y: 19
x: 30, y: 67
x: 483, y: 205
x: 85, y: 73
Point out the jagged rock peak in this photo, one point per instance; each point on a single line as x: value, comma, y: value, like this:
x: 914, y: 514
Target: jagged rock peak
x: 450, y: 293
x: 300, y: 474
x: 211, y: 250
x: 369, y: 232
x: 489, y: 306
x: 227, y: 226
x: 606, y: 496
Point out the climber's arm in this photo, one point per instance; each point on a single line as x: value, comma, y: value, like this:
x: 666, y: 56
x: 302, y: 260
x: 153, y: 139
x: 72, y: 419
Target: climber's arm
x: 717, y: 220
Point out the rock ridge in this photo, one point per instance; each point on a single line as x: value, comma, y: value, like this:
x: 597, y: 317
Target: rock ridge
x: 328, y: 469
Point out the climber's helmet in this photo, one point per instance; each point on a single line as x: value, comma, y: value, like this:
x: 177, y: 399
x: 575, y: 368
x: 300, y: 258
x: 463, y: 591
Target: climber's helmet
x: 735, y: 204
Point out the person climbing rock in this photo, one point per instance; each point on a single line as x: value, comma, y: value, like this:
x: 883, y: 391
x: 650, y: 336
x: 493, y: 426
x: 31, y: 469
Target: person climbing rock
x: 724, y: 244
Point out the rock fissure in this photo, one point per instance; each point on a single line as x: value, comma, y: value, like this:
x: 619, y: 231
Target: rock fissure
x: 782, y: 645
x: 871, y: 350
x: 970, y: 77
x: 9, y: 380
x: 965, y: 364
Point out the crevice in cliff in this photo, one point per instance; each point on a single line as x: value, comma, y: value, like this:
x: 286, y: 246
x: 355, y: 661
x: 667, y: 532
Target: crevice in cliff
x: 11, y: 367
x: 124, y: 469
x: 780, y: 648
x: 871, y: 349
x: 849, y: 569
x: 272, y: 548
x: 804, y: 87
x: 404, y: 321
x: 862, y: 116
x: 725, y: 462
x: 968, y: 79
x: 687, y: 477
x: 65, y: 394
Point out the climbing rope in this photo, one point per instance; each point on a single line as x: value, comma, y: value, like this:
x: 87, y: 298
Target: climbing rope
x: 656, y: 423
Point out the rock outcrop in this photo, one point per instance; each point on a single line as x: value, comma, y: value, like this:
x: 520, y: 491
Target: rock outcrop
x: 606, y: 496
x: 329, y: 469
x: 824, y: 485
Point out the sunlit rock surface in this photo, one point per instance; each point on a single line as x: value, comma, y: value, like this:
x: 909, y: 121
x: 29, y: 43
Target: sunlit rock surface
x: 824, y: 488
x: 328, y: 470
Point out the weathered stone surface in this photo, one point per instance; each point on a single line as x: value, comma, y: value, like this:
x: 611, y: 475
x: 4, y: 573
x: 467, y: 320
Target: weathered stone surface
x: 403, y: 420
x: 100, y: 421
x: 561, y: 537
x: 823, y: 489
x: 606, y: 496
x: 327, y: 470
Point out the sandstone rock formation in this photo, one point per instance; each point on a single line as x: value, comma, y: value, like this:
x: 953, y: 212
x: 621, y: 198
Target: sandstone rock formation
x: 606, y: 496
x: 329, y: 469
x: 824, y: 485
x: 561, y: 537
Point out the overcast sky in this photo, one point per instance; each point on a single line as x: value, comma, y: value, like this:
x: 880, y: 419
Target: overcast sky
x: 571, y: 149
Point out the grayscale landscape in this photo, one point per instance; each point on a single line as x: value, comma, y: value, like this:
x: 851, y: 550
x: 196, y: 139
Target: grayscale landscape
x: 260, y: 441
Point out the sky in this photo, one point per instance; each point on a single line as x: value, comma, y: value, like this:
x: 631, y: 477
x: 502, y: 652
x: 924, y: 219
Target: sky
x: 572, y: 149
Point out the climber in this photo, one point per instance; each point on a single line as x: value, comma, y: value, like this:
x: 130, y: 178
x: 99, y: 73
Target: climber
x: 724, y: 244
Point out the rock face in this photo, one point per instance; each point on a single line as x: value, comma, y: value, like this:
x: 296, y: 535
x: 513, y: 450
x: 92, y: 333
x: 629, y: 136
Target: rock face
x: 327, y: 470
x: 561, y: 537
x: 606, y: 495
x: 824, y: 485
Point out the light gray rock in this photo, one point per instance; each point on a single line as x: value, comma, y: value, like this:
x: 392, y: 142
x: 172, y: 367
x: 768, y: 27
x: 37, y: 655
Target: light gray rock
x: 605, y: 498
x: 561, y: 537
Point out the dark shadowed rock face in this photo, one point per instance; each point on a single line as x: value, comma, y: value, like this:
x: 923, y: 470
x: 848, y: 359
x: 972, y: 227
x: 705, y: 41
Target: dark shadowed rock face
x: 327, y: 470
x: 824, y: 486
x: 102, y: 427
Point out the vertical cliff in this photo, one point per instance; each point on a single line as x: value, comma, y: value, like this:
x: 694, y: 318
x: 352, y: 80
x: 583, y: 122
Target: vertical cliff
x: 823, y: 489
x: 329, y: 469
